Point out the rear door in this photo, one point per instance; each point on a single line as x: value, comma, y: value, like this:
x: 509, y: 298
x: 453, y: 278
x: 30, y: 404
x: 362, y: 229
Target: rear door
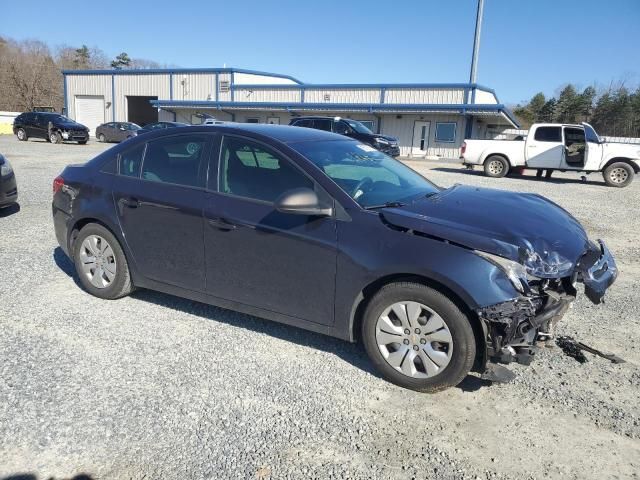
x: 159, y: 198
x: 258, y: 256
x: 545, y: 148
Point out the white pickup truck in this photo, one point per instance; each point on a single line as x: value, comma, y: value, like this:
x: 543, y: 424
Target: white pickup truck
x: 552, y: 147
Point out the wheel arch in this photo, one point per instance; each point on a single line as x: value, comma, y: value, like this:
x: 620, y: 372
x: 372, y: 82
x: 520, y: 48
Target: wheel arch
x: 626, y: 160
x: 81, y: 223
x: 489, y: 155
x: 465, y: 305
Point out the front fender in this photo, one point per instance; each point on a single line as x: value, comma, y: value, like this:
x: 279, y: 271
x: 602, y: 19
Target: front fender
x: 391, y: 253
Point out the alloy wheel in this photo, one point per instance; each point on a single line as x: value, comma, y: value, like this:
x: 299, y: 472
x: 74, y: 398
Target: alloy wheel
x: 98, y: 261
x: 21, y: 134
x: 414, y: 339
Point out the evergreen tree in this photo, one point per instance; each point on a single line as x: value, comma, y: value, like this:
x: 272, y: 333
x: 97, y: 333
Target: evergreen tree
x: 121, y: 61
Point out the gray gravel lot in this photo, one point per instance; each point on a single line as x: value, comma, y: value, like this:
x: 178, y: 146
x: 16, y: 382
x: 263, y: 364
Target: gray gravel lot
x: 154, y: 386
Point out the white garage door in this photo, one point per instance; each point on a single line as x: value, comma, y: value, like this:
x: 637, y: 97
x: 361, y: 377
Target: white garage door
x: 90, y: 111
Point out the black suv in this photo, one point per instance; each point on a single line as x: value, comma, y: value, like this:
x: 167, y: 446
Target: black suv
x: 350, y: 128
x: 53, y: 127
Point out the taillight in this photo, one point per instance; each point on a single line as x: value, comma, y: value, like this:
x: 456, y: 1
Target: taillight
x: 58, y: 182
x: 463, y: 148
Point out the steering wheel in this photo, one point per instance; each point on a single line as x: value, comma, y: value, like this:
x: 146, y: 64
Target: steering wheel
x: 360, y: 187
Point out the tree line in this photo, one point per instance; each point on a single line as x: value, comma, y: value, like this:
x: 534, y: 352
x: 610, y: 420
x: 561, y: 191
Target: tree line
x: 30, y: 71
x: 614, y: 111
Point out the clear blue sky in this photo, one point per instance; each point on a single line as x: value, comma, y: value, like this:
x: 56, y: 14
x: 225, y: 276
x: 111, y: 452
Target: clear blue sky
x: 527, y: 46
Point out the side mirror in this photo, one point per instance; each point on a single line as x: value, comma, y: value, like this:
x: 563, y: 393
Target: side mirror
x: 302, y: 201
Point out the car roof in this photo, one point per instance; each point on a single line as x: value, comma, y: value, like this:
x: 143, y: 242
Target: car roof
x: 281, y: 133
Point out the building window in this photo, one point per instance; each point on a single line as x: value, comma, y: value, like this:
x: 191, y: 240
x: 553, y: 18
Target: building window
x: 224, y: 86
x: 446, y: 132
x: 252, y: 120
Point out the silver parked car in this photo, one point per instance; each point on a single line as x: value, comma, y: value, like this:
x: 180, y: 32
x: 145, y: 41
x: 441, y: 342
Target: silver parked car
x: 116, y: 131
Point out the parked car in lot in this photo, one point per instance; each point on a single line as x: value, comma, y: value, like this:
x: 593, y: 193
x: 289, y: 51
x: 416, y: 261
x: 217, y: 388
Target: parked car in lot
x: 53, y: 127
x: 8, y: 184
x: 353, y: 129
x: 149, y: 127
x: 552, y: 147
x: 116, y: 131
x: 326, y: 233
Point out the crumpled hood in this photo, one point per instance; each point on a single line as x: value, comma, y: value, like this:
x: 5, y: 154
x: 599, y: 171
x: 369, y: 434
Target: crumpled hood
x: 517, y: 226
x: 386, y: 137
x: 70, y: 125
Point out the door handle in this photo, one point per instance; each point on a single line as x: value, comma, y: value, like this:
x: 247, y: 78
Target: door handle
x: 222, y: 224
x: 130, y: 202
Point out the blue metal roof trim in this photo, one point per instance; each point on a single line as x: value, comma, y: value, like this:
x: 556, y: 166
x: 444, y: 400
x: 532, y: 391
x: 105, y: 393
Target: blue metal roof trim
x: 460, y: 108
x: 151, y: 71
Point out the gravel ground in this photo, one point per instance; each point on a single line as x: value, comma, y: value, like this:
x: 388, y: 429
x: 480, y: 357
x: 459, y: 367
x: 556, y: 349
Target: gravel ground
x: 154, y: 386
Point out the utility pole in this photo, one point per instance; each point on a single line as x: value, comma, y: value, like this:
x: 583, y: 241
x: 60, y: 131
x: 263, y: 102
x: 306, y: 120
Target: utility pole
x: 476, y: 43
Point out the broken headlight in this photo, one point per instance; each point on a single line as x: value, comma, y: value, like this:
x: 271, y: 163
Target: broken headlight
x: 548, y: 265
x: 65, y: 135
x: 514, y: 271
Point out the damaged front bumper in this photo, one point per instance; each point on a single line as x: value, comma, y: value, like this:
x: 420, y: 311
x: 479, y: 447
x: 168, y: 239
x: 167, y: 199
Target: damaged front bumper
x: 513, y: 328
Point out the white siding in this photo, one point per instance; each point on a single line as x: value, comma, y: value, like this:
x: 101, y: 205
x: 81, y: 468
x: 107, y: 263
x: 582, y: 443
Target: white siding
x: 424, y: 96
x: 485, y: 98
x: 267, y: 95
x: 252, y: 79
x: 194, y: 86
x: 354, y: 95
x: 402, y: 128
x: 99, y: 85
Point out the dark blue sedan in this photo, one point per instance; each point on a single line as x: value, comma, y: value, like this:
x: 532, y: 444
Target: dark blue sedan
x: 315, y: 230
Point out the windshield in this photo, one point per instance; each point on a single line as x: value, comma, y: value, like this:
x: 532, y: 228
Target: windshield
x: 370, y: 177
x: 358, y: 127
x: 132, y: 126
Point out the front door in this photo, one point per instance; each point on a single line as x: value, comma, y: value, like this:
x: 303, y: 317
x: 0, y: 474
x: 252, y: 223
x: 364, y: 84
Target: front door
x: 420, y: 138
x: 257, y: 256
x: 159, y: 197
x: 546, y: 148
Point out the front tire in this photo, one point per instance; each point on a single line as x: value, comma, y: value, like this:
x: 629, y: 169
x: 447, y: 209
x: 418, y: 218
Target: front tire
x: 22, y: 135
x: 418, y: 338
x: 618, y: 174
x: 101, y: 264
x: 496, y: 166
x: 101, y: 138
x: 55, y: 137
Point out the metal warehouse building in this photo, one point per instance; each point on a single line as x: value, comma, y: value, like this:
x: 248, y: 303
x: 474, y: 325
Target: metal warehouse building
x: 429, y: 119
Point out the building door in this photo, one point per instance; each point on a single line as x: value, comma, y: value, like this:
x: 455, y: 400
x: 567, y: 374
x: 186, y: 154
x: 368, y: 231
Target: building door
x: 90, y: 111
x: 273, y: 120
x: 420, y: 138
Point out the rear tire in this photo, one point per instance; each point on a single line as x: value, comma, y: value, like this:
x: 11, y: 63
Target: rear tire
x: 439, y: 332
x: 618, y: 174
x: 22, y: 135
x: 496, y: 166
x: 101, y: 264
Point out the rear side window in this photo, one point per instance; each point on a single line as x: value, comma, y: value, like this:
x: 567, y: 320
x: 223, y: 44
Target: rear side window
x: 304, y: 123
x: 175, y: 159
x: 131, y: 160
x: 548, y: 134
x: 322, y: 124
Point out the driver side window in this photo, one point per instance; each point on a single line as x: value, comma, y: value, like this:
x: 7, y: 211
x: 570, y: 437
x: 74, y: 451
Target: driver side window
x: 341, y: 127
x: 251, y: 170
